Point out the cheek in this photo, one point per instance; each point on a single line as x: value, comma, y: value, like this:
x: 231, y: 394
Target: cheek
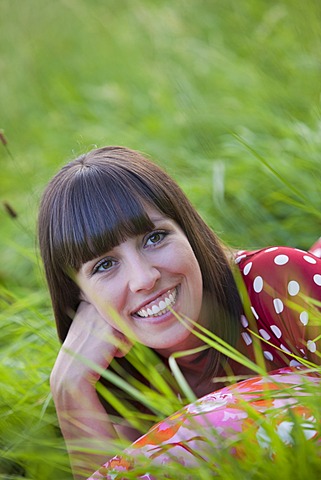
x: 186, y: 262
x: 196, y: 280
x: 108, y: 299
x: 110, y: 308
x: 193, y: 269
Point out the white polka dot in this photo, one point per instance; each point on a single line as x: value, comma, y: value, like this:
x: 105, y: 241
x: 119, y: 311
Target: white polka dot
x: 281, y: 259
x: 246, y: 337
x: 294, y: 287
x: 254, y: 313
x: 238, y: 259
x: 317, y: 279
x: 264, y: 334
x: 284, y: 348
x: 271, y: 249
x: 268, y: 355
x: 311, y: 346
x: 258, y: 284
x: 244, y: 321
x: 309, y: 259
x: 247, y: 268
x: 277, y: 332
x: 304, y: 318
x: 295, y: 363
x: 278, y: 305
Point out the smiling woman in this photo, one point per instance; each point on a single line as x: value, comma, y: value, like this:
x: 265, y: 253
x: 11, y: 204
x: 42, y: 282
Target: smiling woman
x: 127, y: 257
x: 141, y: 278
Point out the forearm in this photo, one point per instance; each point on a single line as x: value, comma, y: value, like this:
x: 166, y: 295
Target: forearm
x: 86, y: 428
x: 88, y: 349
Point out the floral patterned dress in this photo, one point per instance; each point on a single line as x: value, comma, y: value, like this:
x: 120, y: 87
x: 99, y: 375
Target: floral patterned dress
x: 283, y: 288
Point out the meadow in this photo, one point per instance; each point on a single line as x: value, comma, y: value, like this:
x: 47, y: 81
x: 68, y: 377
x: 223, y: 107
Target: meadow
x: 224, y: 94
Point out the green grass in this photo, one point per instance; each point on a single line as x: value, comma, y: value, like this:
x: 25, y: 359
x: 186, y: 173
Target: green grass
x: 224, y: 94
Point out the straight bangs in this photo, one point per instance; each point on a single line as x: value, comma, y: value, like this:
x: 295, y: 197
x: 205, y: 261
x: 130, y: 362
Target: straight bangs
x: 99, y: 211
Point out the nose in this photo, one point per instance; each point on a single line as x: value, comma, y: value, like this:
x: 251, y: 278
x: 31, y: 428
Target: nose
x: 142, y: 274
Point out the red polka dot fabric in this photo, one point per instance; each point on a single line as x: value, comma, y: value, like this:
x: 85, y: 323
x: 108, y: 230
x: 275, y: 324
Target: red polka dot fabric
x: 284, y: 287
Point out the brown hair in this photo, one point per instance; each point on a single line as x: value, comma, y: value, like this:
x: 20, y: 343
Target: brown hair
x: 97, y: 201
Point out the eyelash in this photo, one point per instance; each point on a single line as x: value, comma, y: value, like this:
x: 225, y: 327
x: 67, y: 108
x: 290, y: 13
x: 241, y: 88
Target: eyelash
x: 161, y: 233
x: 99, y: 264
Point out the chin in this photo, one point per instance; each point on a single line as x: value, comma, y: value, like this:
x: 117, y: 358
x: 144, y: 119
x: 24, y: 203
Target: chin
x: 169, y: 346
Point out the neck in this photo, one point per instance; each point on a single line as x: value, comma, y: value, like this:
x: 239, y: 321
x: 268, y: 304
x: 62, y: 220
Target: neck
x: 195, y: 362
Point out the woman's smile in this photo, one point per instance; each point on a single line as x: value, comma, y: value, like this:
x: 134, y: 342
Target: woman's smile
x: 159, y: 306
x: 148, y: 281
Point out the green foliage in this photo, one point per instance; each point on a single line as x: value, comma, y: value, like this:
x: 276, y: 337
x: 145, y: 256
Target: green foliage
x: 224, y: 94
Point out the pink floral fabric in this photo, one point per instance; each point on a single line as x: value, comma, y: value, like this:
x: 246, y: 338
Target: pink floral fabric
x: 218, y: 420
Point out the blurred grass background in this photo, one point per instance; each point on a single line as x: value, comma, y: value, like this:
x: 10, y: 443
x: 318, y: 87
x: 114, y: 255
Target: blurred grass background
x: 224, y: 94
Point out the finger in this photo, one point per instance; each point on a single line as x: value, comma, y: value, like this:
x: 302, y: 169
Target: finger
x: 123, y: 348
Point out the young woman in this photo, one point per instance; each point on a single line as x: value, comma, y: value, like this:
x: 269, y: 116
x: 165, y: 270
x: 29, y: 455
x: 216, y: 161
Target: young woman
x: 125, y: 255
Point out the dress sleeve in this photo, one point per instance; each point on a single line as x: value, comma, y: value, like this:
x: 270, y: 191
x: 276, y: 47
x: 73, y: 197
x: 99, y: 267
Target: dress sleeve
x: 284, y: 292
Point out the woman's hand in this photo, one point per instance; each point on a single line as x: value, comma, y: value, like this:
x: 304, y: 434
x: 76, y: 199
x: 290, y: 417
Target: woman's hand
x: 90, y: 346
x: 90, y: 341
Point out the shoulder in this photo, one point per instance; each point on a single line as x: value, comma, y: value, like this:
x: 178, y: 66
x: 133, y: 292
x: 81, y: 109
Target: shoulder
x: 278, y: 255
x: 283, y: 288
x: 271, y: 265
x: 280, y: 273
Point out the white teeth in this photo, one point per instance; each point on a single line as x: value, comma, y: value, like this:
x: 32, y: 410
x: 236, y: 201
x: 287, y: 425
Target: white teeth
x: 161, y: 308
x: 162, y: 305
x: 155, y: 309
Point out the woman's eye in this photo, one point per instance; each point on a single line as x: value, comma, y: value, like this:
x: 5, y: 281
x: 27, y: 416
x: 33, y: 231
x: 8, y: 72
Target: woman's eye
x: 104, y: 265
x: 154, y: 238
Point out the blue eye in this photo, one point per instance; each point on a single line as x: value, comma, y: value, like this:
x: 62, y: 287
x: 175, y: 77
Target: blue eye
x: 104, y: 265
x: 154, y: 238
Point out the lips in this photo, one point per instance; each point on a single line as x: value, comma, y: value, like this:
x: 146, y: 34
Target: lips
x: 159, y: 306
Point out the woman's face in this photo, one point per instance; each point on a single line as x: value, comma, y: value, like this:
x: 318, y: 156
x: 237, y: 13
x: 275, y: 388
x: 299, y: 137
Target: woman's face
x: 140, y: 279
